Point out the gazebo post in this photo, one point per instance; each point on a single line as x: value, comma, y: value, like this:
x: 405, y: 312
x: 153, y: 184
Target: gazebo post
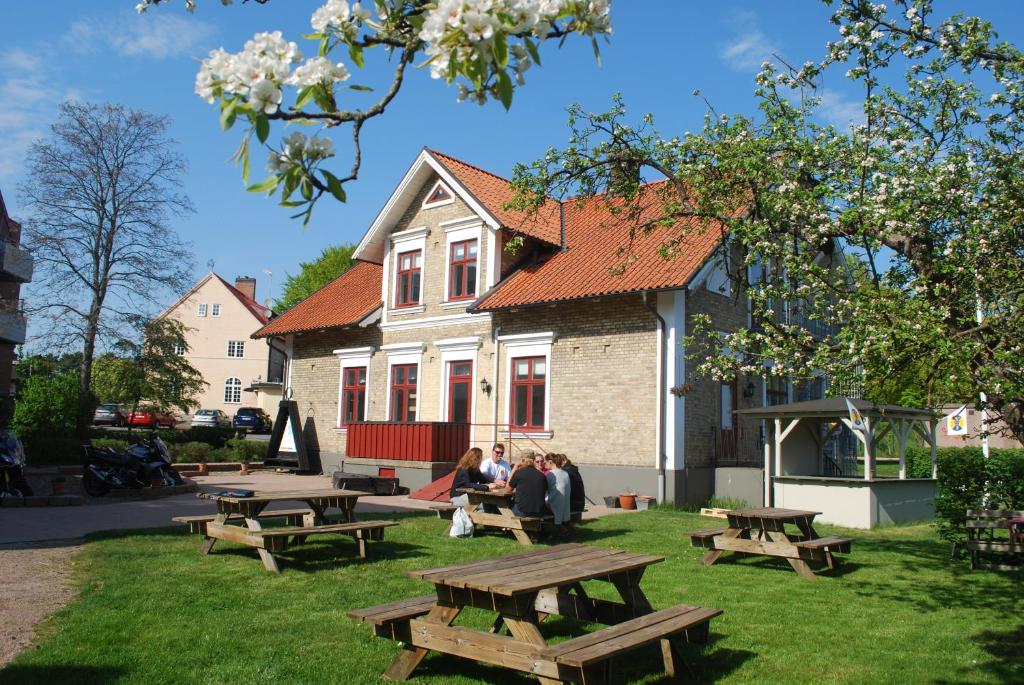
x: 769, y: 440
x: 869, y: 449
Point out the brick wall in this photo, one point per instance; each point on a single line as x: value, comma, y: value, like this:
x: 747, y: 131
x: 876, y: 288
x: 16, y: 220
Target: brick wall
x: 603, y: 375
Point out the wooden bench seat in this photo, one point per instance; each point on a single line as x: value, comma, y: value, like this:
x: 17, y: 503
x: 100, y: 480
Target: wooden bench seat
x: 982, y: 526
x: 578, y: 658
x: 276, y: 539
x: 444, y: 511
x: 197, y: 524
x: 828, y: 544
x: 703, y: 538
x: 392, y: 620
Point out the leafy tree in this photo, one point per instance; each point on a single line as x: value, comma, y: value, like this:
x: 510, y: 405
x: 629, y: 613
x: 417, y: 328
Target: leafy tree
x: 100, y: 192
x: 48, y: 364
x: 486, y: 46
x: 157, y: 372
x: 47, y: 405
x: 928, y: 190
x: 331, y: 263
x: 114, y: 379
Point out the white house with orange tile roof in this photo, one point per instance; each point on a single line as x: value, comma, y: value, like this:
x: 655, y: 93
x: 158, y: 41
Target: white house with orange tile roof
x: 219, y: 320
x: 543, y: 348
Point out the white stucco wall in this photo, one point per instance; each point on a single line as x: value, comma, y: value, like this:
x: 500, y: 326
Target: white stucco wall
x: 856, y: 503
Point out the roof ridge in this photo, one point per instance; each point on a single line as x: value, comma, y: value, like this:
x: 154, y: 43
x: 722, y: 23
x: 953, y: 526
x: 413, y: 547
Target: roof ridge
x: 471, y: 166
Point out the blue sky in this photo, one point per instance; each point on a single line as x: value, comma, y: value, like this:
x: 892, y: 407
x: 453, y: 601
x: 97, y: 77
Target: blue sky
x: 659, y: 54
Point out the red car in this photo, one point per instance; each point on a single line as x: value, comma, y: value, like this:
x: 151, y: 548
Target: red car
x: 151, y: 418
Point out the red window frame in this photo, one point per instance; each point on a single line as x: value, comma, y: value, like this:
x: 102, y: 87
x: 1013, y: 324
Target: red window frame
x: 402, y: 410
x: 459, y: 279
x: 464, y: 379
x: 529, y: 383
x: 408, y: 280
x: 353, y: 395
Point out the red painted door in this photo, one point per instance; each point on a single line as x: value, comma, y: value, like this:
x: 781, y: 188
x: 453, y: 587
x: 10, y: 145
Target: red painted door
x: 729, y: 450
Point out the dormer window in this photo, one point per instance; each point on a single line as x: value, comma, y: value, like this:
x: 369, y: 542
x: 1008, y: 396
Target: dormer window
x: 462, y: 270
x: 407, y: 286
x: 438, y: 195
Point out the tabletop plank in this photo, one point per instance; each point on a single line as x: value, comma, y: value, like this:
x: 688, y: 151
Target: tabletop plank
x: 284, y: 496
x: 772, y: 513
x: 507, y: 561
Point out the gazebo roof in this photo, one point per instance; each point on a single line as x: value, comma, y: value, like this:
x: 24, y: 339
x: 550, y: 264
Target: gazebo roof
x: 834, y: 407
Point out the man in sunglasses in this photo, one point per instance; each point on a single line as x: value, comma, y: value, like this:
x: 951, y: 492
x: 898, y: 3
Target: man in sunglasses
x: 496, y: 467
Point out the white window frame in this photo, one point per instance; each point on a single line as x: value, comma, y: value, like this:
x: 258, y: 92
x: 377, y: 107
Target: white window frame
x: 402, y: 242
x: 348, y: 358
x: 456, y: 231
x: 227, y: 381
x: 404, y: 353
x: 215, y: 310
x: 239, y: 347
x: 527, y: 345
x: 201, y: 310
x: 427, y: 204
x: 458, y: 350
x: 179, y: 349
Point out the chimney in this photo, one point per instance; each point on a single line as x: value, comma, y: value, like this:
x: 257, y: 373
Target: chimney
x: 247, y: 286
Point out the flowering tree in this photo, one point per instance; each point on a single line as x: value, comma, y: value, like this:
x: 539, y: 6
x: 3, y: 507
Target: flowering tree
x: 483, y: 46
x: 926, y: 193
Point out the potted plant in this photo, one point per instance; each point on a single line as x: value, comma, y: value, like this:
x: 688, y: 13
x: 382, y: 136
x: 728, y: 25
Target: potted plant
x: 627, y: 499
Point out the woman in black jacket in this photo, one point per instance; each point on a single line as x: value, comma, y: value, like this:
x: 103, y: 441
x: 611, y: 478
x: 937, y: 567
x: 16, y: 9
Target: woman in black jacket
x: 467, y: 475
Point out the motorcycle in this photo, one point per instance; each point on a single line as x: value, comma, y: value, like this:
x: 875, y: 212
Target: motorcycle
x: 144, y: 465
x: 12, y: 467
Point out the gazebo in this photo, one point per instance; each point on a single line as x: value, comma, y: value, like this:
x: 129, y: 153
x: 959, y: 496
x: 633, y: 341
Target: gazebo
x: 799, y: 474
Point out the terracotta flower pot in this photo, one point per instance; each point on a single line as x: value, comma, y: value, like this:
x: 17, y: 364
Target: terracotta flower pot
x: 627, y: 501
x: 201, y: 469
x: 244, y: 470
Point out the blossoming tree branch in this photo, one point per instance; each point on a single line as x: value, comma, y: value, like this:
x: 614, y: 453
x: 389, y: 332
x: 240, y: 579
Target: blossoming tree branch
x: 925, y: 192
x: 484, y: 47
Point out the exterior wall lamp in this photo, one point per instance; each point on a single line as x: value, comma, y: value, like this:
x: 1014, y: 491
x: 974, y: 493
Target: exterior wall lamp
x: 485, y: 386
x: 748, y: 390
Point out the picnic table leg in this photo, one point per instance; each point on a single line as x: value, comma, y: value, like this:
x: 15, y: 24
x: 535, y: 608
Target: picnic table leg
x: 628, y: 586
x: 526, y: 630
x: 522, y: 537
x: 207, y: 544
x: 806, y: 527
x: 410, y: 657
x: 269, y: 562
x: 799, y: 565
x: 713, y: 555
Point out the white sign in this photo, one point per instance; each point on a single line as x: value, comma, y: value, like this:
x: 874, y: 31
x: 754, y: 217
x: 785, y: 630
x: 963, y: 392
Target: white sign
x: 956, y: 423
x: 288, y: 439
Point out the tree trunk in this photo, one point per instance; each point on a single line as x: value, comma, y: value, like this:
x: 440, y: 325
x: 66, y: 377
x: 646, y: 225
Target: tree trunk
x: 85, y: 403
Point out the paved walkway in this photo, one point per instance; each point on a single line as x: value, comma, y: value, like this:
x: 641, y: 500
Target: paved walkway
x: 45, y: 526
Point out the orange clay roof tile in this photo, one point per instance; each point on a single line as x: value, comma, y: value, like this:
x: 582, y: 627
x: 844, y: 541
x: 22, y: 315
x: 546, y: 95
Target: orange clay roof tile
x: 346, y: 300
x: 493, y: 192
x: 598, y: 245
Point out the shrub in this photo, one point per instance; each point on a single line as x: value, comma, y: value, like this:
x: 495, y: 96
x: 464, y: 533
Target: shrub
x: 46, y: 405
x: 965, y: 476
x: 247, y: 450
x: 114, y: 443
x: 191, y: 452
x: 48, y: 450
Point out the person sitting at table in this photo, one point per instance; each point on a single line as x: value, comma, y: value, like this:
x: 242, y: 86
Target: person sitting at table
x: 530, y: 487
x: 540, y: 463
x: 577, y: 494
x: 559, y: 489
x: 495, y: 467
x: 468, y: 475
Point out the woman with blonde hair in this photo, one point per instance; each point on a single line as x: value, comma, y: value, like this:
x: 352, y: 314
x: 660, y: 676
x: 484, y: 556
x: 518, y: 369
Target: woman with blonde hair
x: 468, y: 475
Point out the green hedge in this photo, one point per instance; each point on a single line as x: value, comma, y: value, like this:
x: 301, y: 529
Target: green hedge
x: 214, y: 436
x: 48, y: 450
x: 191, y: 452
x: 964, y: 477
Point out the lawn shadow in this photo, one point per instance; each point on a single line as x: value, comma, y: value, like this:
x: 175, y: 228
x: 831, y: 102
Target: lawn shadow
x: 1006, y: 658
x: 328, y: 554
x: 779, y: 564
x: 17, y: 674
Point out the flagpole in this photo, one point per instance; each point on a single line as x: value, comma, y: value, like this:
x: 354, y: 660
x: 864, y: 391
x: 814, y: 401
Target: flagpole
x: 983, y: 399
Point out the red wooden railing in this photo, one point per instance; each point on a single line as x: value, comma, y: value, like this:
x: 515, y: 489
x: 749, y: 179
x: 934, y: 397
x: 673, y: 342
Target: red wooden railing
x: 421, y: 441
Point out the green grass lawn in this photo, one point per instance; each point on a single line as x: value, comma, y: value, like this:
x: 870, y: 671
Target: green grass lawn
x: 151, y: 610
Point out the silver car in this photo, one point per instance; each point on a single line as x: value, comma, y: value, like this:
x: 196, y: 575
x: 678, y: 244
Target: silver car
x: 211, y: 417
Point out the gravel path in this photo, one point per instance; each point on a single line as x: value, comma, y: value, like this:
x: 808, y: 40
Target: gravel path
x: 36, y: 582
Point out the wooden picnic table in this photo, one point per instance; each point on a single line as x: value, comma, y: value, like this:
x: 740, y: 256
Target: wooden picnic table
x: 238, y: 519
x: 501, y: 499
x: 762, y: 531
x: 523, y: 589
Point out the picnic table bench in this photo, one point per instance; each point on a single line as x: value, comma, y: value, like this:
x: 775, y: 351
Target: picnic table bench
x: 524, y: 528
x: 250, y: 510
x: 763, y: 531
x: 522, y: 589
x: 982, y: 525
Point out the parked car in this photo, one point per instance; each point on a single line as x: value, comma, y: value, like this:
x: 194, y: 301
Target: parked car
x: 252, y: 419
x: 211, y: 417
x: 110, y: 414
x: 148, y: 417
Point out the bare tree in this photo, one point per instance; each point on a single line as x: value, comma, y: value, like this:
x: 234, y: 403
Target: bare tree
x: 100, y: 192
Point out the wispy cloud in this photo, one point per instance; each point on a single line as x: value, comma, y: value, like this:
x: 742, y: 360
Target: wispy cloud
x: 27, y: 90
x: 152, y: 35
x: 839, y: 110
x: 750, y: 47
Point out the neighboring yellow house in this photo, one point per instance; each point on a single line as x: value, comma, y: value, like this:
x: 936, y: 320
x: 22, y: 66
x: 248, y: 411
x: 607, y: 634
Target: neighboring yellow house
x: 219, y: 319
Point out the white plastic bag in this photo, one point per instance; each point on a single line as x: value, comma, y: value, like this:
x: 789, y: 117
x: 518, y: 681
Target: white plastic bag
x: 462, y: 525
